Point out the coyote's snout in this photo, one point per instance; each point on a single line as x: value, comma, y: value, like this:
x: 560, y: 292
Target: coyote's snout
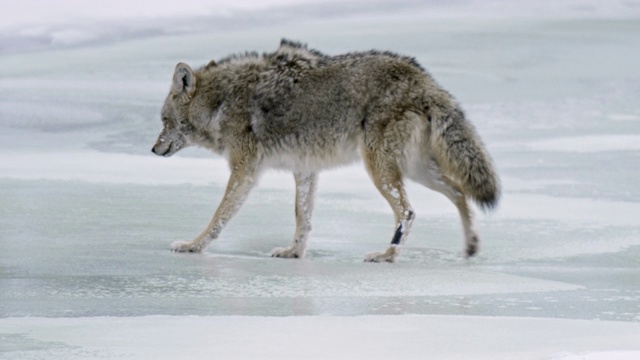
x: 300, y: 110
x: 169, y: 142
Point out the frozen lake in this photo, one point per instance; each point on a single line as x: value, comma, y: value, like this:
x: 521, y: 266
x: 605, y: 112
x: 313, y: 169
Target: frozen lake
x: 87, y: 213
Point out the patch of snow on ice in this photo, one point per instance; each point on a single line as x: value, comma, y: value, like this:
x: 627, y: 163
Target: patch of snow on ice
x: 319, y: 337
x: 624, y: 117
x: 608, y: 355
x: 589, y: 144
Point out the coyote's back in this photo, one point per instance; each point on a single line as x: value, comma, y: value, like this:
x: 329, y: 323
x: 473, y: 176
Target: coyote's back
x: 304, y: 111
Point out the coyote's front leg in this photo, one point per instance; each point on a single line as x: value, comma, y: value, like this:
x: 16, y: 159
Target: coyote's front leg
x: 305, y: 191
x: 240, y: 183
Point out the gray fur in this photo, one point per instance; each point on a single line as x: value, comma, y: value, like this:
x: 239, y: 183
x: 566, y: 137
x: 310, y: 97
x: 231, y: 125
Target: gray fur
x: 300, y: 110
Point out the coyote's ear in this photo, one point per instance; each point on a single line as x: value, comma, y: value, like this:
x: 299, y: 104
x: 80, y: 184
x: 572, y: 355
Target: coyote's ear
x: 184, y: 81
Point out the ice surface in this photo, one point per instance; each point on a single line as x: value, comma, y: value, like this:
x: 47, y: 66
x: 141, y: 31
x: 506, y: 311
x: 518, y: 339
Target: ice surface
x: 87, y: 213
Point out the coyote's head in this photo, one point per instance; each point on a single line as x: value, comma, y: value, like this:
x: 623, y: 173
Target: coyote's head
x: 175, y: 134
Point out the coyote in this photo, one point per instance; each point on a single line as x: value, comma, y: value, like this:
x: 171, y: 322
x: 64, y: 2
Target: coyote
x: 301, y: 110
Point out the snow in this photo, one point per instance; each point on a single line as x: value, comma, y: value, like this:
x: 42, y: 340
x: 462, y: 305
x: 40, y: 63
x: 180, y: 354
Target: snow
x: 87, y: 213
x: 590, y: 144
x: 321, y: 337
x: 610, y: 355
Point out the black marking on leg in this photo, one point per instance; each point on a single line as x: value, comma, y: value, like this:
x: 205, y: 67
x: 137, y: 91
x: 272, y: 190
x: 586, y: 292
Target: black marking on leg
x: 411, y: 215
x: 398, y: 235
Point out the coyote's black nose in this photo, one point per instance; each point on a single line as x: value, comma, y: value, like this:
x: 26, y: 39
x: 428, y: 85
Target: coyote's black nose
x: 153, y: 149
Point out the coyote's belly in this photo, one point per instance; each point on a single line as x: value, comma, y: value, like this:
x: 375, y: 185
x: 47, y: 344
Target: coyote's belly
x: 311, y: 156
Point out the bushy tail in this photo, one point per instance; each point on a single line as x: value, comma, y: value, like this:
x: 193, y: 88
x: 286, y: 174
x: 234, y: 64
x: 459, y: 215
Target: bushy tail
x: 462, y: 155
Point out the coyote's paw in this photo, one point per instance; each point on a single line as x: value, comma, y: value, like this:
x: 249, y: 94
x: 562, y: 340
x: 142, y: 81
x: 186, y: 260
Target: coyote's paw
x: 185, y: 246
x: 387, y: 256
x: 287, y: 253
x: 472, y: 246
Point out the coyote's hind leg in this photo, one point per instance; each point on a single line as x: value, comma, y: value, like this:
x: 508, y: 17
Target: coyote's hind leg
x: 388, y: 180
x: 431, y: 176
x: 455, y: 193
x: 305, y: 191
